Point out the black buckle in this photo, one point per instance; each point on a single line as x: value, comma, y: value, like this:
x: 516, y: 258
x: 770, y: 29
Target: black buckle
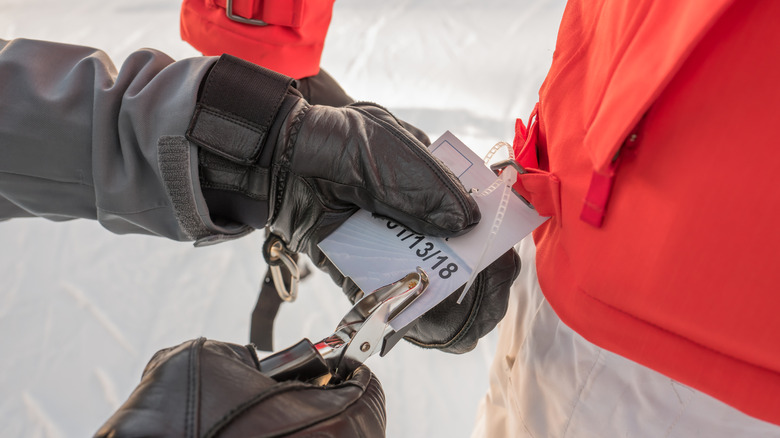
x: 239, y: 19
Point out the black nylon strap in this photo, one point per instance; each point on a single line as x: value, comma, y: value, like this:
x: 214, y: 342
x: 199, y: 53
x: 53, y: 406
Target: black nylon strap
x: 237, y: 106
x: 261, y: 331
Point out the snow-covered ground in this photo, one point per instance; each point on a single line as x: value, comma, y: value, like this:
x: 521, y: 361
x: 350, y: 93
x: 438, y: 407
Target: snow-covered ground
x: 82, y: 310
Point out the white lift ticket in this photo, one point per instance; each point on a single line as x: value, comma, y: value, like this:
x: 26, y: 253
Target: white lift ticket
x: 375, y: 252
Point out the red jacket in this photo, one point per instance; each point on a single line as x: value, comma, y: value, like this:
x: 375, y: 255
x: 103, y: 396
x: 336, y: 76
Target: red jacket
x: 656, y: 153
x: 290, y: 42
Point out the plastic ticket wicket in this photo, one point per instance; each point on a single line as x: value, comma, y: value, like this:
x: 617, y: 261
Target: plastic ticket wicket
x: 374, y: 251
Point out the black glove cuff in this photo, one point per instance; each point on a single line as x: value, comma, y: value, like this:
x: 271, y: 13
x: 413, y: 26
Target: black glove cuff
x: 235, y: 124
x: 236, y: 108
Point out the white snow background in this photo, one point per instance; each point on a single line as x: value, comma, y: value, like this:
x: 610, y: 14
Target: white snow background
x: 83, y: 310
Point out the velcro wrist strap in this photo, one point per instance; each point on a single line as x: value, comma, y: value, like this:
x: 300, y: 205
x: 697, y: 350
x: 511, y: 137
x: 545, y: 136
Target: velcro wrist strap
x: 237, y: 106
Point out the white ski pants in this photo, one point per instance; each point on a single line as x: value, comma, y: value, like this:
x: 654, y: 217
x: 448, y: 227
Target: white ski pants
x: 546, y: 381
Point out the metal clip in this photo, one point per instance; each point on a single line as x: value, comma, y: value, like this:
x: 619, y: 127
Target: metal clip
x: 497, y: 167
x: 278, y: 255
x: 501, y: 165
x: 239, y: 19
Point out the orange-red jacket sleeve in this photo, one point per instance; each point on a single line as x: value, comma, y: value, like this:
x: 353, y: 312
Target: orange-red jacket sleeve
x: 284, y: 36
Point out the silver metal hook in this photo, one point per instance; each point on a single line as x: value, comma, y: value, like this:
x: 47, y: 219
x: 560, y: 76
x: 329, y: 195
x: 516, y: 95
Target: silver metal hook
x: 277, y: 252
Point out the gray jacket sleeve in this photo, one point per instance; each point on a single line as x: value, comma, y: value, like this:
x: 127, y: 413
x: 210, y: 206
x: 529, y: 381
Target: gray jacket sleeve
x: 80, y: 140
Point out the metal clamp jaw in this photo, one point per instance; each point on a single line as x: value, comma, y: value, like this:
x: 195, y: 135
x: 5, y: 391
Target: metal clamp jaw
x: 364, y: 331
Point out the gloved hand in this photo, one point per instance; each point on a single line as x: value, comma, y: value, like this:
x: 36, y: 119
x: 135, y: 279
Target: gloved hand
x: 329, y: 162
x: 210, y: 388
x: 450, y: 327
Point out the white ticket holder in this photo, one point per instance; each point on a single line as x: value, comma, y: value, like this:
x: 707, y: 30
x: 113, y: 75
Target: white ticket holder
x: 374, y: 251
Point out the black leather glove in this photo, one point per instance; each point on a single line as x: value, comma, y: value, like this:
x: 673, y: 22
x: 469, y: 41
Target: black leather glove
x: 450, y: 327
x: 330, y: 161
x: 205, y: 388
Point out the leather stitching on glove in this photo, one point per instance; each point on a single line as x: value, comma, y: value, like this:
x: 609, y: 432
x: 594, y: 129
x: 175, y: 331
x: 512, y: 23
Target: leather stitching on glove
x: 282, y: 165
